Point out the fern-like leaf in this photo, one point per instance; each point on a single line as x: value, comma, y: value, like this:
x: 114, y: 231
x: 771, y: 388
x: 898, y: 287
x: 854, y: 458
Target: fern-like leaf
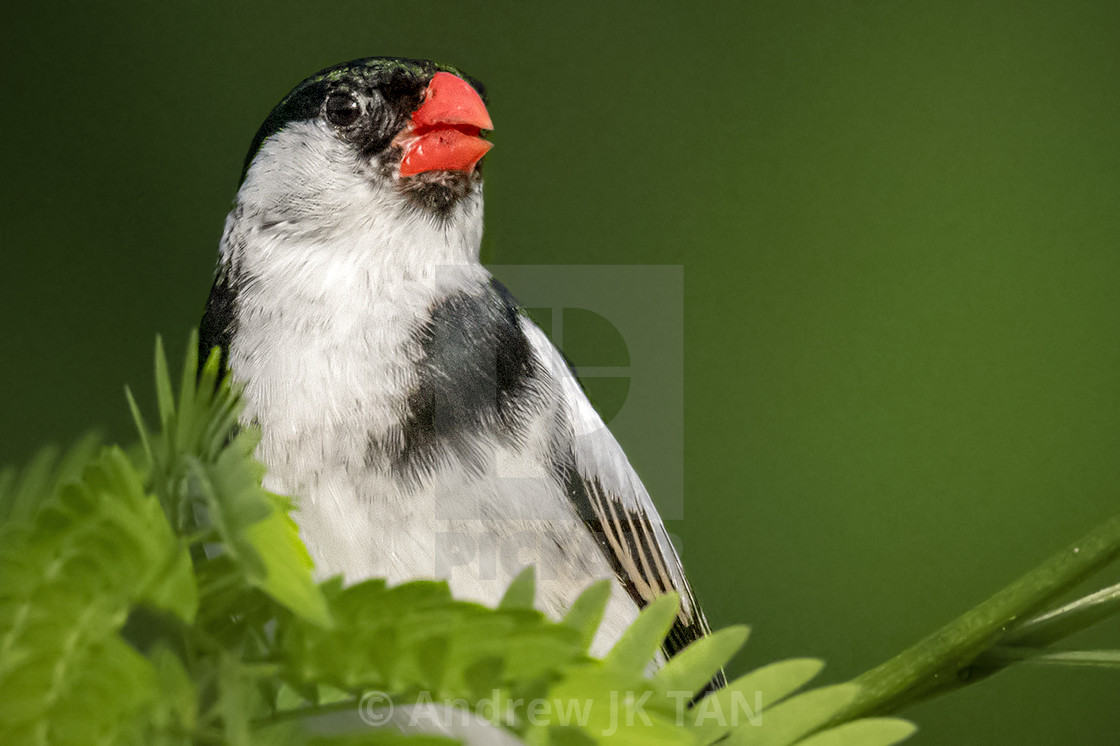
x: 95, y: 549
x: 587, y: 611
x: 866, y: 732
x: 641, y: 641
x: 691, y: 669
x: 793, y: 719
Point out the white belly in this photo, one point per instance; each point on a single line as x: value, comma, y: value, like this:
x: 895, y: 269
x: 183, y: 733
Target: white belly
x: 475, y: 531
x: 328, y: 358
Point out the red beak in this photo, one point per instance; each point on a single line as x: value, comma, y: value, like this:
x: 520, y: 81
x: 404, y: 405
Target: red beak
x: 444, y: 132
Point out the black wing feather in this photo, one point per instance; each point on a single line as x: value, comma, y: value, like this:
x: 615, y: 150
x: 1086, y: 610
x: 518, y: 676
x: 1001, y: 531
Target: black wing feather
x: 628, y: 540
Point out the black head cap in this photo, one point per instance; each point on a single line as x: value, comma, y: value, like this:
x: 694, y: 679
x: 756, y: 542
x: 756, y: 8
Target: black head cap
x: 400, y: 83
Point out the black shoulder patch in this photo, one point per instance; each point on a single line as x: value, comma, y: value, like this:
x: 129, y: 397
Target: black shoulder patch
x: 476, y: 377
x: 219, y: 321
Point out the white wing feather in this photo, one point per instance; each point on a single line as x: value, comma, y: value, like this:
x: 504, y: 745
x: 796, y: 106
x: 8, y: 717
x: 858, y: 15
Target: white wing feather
x: 618, y: 498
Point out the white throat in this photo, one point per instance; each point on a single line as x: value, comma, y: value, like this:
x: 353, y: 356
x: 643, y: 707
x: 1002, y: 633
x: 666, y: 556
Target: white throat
x: 330, y: 299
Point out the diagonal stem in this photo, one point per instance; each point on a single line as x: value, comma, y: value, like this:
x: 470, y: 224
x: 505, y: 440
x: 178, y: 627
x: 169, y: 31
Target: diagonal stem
x: 943, y: 661
x: 1064, y: 621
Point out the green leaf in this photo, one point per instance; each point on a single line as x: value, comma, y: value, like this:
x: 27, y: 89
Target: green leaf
x: 612, y: 706
x: 234, y: 502
x: 483, y: 676
x: 176, y: 709
x: 97, y: 547
x: 643, y: 639
x: 568, y: 735
x: 172, y: 585
x: 141, y: 426
x: 189, y: 420
x: 691, y: 669
x: 238, y: 701
x: 586, y: 613
x: 287, y: 567
x: 749, y: 695
x: 785, y: 723
x: 521, y: 592
x: 866, y: 732
x: 22, y: 492
x: 34, y: 485
x: 165, y: 397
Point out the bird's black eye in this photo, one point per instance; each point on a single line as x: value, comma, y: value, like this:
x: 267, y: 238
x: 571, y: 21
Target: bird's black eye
x: 343, y: 109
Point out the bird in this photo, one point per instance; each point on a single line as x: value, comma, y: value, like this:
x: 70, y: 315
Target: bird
x: 423, y: 424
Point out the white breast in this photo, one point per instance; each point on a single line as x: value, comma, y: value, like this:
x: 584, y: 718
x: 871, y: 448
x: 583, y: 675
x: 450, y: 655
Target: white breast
x: 326, y: 349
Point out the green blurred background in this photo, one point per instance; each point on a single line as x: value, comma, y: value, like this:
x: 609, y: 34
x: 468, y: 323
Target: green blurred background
x: 898, y: 224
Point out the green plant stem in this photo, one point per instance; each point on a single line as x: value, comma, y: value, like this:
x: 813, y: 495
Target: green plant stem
x: 1003, y: 656
x: 943, y: 661
x: 1063, y: 622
